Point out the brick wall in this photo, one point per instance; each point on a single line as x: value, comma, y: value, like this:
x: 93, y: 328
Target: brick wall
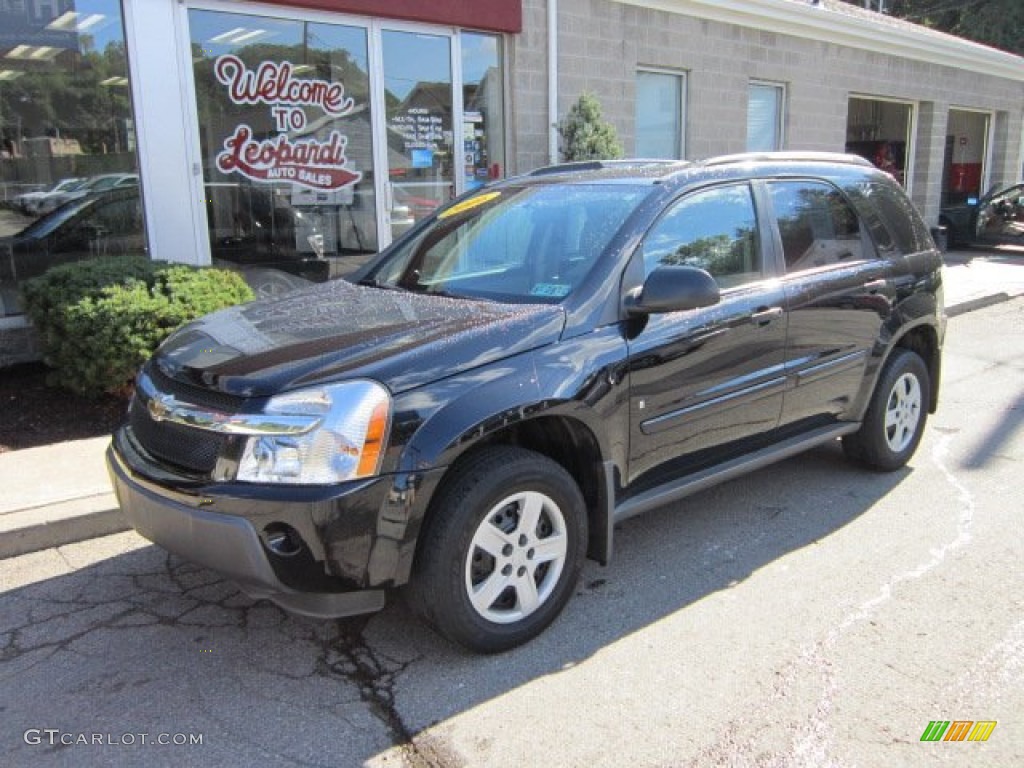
x: 602, y: 43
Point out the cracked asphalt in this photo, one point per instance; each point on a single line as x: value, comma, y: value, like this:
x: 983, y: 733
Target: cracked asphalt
x: 812, y: 614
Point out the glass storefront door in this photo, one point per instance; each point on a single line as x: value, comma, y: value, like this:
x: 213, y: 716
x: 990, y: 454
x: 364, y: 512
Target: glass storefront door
x: 420, y: 152
x: 320, y: 141
x: 286, y: 138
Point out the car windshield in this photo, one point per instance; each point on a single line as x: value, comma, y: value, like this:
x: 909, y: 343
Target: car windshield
x: 105, y: 182
x: 525, y: 244
x: 47, y: 224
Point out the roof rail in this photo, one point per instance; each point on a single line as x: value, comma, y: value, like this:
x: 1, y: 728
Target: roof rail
x: 598, y: 165
x: 791, y: 156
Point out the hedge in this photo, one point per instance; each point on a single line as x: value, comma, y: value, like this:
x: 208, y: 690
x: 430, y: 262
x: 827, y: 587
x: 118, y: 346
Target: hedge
x: 99, y: 320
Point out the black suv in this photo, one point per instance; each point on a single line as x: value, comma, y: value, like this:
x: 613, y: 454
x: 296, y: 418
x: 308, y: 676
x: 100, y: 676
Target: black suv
x: 478, y: 407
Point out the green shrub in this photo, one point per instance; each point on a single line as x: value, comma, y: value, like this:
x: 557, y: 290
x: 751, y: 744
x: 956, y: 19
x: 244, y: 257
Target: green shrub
x: 586, y: 135
x: 100, y: 320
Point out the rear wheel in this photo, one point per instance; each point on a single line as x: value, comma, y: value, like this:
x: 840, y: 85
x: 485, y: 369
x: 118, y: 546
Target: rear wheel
x: 502, y: 551
x: 895, y: 419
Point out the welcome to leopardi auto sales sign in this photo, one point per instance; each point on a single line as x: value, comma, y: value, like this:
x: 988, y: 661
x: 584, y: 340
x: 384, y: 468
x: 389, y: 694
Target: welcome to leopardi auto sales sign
x: 309, y: 162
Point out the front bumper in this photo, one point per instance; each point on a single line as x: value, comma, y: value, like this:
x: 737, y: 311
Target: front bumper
x: 353, y: 540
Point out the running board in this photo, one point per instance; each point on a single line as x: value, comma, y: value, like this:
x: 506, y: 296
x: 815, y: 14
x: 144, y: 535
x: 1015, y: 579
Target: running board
x: 690, y: 484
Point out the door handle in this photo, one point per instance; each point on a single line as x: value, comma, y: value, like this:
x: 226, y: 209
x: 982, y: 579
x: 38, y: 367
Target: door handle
x: 765, y: 316
x: 874, y: 286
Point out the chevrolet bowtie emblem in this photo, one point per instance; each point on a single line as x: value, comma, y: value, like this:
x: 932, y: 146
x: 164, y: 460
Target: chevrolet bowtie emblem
x: 159, y: 407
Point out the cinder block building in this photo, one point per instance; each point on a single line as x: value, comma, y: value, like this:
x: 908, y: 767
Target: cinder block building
x: 293, y: 139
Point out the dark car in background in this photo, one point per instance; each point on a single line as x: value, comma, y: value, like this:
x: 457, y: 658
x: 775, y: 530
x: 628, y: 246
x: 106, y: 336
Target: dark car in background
x: 995, y: 219
x: 107, y: 224
x: 478, y: 407
x: 261, y: 240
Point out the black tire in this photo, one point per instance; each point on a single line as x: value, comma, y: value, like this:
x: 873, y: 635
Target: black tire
x: 902, y: 395
x: 485, y: 502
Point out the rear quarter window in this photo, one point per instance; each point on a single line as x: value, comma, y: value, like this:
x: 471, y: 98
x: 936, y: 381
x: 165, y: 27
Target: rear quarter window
x: 892, y: 219
x: 817, y: 226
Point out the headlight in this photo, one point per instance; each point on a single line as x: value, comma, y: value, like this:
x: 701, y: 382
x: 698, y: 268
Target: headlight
x: 345, y: 442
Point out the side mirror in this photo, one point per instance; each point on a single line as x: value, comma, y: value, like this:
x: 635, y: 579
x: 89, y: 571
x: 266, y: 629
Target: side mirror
x: 675, y: 289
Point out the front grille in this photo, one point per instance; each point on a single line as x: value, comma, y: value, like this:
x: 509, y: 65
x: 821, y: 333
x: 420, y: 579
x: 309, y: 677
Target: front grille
x: 195, y: 450
x: 190, y: 393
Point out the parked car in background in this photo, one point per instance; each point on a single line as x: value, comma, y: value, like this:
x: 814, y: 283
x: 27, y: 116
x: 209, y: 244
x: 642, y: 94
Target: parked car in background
x: 91, y: 186
x: 995, y: 219
x: 473, y: 412
x: 261, y: 244
x: 29, y: 202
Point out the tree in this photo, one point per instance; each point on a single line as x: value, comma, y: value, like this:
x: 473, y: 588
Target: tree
x: 998, y: 23
x: 585, y: 135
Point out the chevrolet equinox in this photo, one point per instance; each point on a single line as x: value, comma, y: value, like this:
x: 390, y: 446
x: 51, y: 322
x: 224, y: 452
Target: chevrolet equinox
x: 473, y: 411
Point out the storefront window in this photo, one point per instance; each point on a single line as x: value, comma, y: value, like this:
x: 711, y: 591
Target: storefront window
x: 66, y: 137
x: 420, y: 135
x: 287, y: 146
x: 483, y: 108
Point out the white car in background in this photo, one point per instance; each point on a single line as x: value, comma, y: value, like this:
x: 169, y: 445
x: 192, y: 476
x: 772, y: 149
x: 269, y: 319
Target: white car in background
x: 29, y: 201
x: 102, y: 183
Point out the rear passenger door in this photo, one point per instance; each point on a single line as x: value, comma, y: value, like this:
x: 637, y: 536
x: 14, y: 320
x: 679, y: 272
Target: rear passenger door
x: 838, y: 295
x: 708, y: 379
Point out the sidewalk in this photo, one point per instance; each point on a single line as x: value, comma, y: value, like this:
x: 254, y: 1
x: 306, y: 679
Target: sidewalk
x: 59, y: 494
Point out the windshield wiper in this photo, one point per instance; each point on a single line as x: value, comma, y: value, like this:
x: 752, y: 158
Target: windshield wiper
x: 373, y: 282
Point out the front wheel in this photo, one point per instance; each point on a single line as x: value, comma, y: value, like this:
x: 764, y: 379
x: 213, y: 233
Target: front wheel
x: 502, y: 549
x: 895, y: 419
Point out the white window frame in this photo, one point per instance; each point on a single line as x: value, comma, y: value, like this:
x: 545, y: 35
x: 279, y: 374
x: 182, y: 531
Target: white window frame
x: 682, y: 78
x: 780, y: 115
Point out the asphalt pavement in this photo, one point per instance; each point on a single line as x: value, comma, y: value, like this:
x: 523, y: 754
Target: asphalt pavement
x: 59, y: 494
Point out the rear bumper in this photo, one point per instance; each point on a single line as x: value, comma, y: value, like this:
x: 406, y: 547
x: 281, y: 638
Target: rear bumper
x: 228, y: 544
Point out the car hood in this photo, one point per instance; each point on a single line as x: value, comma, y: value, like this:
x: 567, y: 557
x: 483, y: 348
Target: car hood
x: 338, y: 330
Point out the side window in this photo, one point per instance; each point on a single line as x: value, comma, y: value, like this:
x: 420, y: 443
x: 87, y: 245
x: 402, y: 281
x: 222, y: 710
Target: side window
x: 901, y: 219
x: 865, y: 200
x: 818, y: 227
x: 122, y: 217
x: 715, y: 229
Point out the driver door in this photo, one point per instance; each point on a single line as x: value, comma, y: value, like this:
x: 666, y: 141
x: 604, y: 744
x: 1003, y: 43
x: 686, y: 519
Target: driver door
x: 708, y: 379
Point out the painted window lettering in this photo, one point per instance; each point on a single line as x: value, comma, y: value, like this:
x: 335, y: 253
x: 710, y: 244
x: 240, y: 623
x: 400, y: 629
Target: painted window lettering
x: 309, y: 162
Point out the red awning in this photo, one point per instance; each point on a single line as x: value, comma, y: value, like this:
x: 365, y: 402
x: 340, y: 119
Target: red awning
x: 494, y: 15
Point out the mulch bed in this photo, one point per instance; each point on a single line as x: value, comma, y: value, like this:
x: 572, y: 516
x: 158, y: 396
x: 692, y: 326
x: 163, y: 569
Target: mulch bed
x: 32, y: 413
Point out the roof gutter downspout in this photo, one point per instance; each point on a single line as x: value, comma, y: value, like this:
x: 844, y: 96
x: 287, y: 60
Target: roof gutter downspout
x: 553, y: 82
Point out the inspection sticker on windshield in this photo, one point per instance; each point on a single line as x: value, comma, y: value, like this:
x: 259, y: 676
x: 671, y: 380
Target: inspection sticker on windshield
x: 550, y: 289
x: 468, y: 205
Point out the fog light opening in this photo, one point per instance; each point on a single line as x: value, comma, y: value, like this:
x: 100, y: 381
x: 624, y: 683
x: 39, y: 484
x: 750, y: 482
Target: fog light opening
x: 282, y: 540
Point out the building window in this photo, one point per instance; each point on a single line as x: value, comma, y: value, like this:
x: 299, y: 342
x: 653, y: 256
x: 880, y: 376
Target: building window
x: 483, y: 108
x: 67, y: 138
x: 659, y: 114
x: 765, y: 105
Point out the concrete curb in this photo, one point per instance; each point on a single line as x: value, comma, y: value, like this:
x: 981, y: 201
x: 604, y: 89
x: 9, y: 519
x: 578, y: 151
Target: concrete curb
x: 57, y: 524
x: 54, y: 525
x: 979, y: 303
